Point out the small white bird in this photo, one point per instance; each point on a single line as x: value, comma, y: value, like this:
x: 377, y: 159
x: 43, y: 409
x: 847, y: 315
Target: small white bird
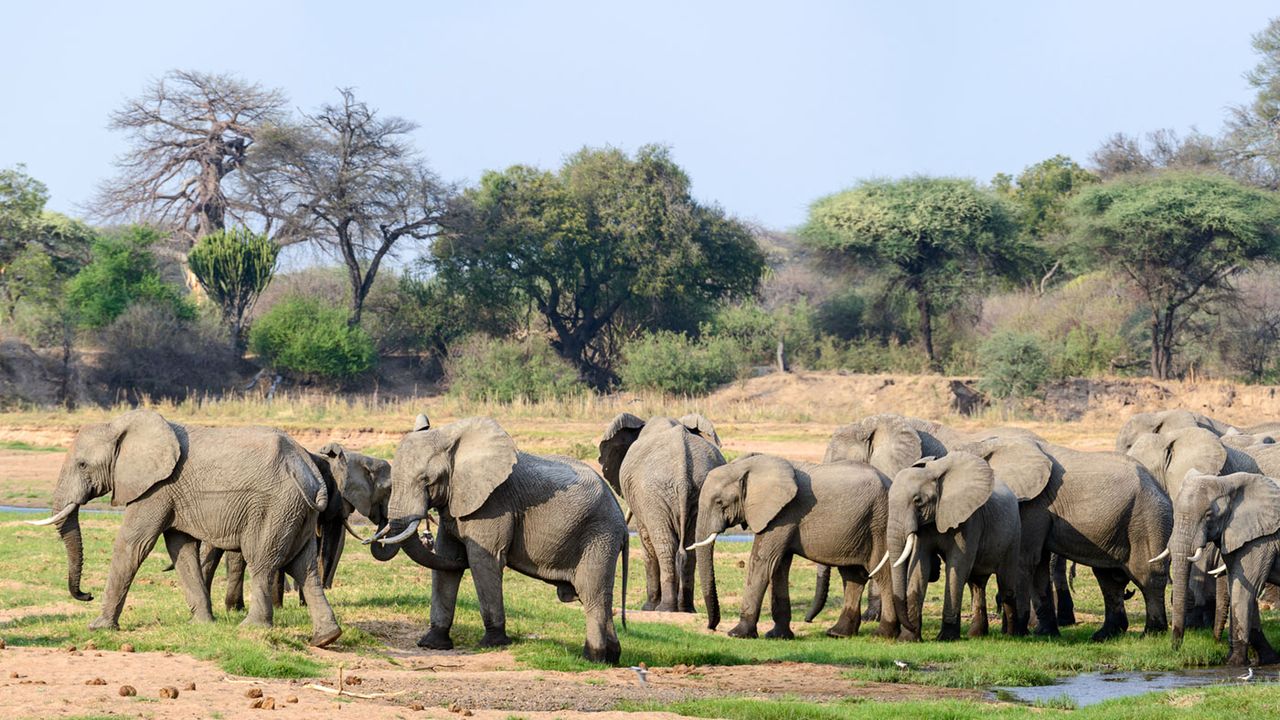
x: 642, y: 674
x: 1246, y: 677
x: 901, y: 665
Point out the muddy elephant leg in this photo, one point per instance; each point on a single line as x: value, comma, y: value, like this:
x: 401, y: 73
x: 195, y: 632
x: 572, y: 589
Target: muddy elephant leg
x: 979, y: 624
x: 780, y: 600
x: 486, y: 573
x: 185, y: 551
x: 760, y: 568
x: 853, y: 579
x: 306, y: 573
x: 1042, y: 589
x: 233, y: 598
x: 1244, y: 608
x: 1112, y: 582
x: 652, y: 579
x: 134, y: 542
x: 1066, y: 607
x: 444, y: 595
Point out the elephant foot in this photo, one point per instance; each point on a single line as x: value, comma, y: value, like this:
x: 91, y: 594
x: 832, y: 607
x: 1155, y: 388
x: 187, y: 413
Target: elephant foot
x: 665, y: 606
x: 1066, y: 618
x: 235, y: 606
x: 435, y: 639
x: 872, y: 612
x: 201, y: 618
x: 1239, y: 656
x: 102, y: 623
x: 977, y: 629
x: 886, y: 630
x: 743, y: 630
x: 843, y: 628
x: 1106, y: 632
x: 1268, y: 657
x: 1043, y: 630
x: 649, y: 605
x: 610, y: 654
x: 495, y: 638
x: 322, y: 638
x: 780, y: 633
x: 949, y: 632
x: 909, y: 636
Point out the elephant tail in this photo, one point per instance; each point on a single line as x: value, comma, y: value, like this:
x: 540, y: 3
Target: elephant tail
x: 822, y: 587
x: 626, y: 555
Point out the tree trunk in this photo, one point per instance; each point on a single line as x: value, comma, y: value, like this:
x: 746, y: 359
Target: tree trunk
x: 926, y: 327
x: 1162, y: 345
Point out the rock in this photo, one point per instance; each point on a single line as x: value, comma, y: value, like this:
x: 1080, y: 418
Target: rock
x: 455, y: 707
x: 190, y: 686
x: 90, y: 645
x: 14, y: 674
x: 466, y: 713
x: 266, y: 703
x: 127, y: 691
x: 95, y: 681
x: 1, y: 643
x: 291, y: 699
x: 253, y: 693
x: 353, y: 680
x: 71, y: 648
x: 169, y: 692
x: 126, y: 647
x: 417, y: 706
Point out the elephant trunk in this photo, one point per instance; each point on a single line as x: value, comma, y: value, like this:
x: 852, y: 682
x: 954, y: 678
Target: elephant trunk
x: 896, y: 540
x: 381, y: 552
x: 69, y: 531
x: 1179, y: 575
x: 705, y: 561
x: 427, y: 558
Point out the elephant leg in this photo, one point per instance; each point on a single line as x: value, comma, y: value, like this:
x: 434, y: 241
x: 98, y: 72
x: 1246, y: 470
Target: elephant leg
x: 486, y: 573
x: 918, y: 574
x: 262, y: 584
x: 889, y: 626
x: 1244, y: 608
x: 1112, y: 582
x: 306, y: 573
x: 874, y: 607
x: 652, y: 579
x: 760, y: 568
x: 210, y: 556
x: 1066, y: 607
x: 134, y: 542
x: 780, y: 600
x: 1222, y: 606
x: 444, y: 596
x: 593, y: 582
x: 686, y: 568
x: 278, y: 587
x: 853, y: 580
x: 979, y: 624
x: 185, y: 551
x: 957, y: 576
x: 668, y: 574
x: 1042, y: 589
x: 233, y: 598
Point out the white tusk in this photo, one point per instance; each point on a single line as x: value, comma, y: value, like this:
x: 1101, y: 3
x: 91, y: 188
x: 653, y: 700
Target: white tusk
x: 1196, y: 557
x: 906, y: 550
x: 710, y: 539
x: 1218, y: 570
x: 346, y: 523
x: 883, y: 560
x: 408, y: 532
x: 381, y: 531
x: 1160, y: 557
x: 62, y: 515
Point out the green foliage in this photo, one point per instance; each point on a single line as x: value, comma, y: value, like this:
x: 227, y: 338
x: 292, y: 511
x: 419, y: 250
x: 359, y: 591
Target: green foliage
x: 413, y: 314
x: 123, y: 271
x: 234, y: 267
x: 311, y: 340
x: 149, y: 351
x: 504, y: 371
x: 22, y: 199
x: 1013, y: 365
x: 1041, y: 192
x: 756, y: 331
x: 671, y: 362
x: 842, y: 314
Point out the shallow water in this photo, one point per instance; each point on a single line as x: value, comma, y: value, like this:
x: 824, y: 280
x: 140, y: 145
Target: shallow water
x: 47, y: 511
x: 1091, y: 688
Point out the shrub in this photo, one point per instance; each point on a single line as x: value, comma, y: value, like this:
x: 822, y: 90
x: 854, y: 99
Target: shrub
x: 312, y: 341
x: 673, y: 363
x: 234, y: 266
x: 1013, y: 365
x: 413, y: 315
x: 841, y: 315
x: 149, y: 350
x: 123, y: 271
x: 481, y: 368
x: 756, y: 331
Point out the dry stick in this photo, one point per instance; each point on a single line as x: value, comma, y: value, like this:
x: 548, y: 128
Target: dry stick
x: 348, y: 693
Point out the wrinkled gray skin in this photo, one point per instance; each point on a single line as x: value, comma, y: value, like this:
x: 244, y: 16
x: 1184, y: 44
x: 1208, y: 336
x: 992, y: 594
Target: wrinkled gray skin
x: 953, y: 510
x: 355, y: 483
x: 1100, y: 509
x: 1166, y: 420
x: 549, y: 518
x: 1240, y: 513
x: 892, y: 442
x: 254, y: 490
x: 658, y: 466
x: 834, y: 514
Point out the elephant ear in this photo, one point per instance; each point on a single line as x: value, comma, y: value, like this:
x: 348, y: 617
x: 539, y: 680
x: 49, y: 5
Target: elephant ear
x: 768, y: 484
x: 147, y: 451
x: 1019, y: 463
x: 483, y: 455
x: 1255, y: 510
x: 617, y: 439
x: 699, y: 425
x: 965, y: 485
x: 1193, y: 447
x: 421, y: 423
x: 886, y: 442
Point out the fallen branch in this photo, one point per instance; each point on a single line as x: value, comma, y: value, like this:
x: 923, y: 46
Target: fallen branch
x: 348, y: 693
x: 228, y: 678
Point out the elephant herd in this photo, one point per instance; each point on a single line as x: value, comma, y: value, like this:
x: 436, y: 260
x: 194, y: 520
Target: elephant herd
x: 897, y: 503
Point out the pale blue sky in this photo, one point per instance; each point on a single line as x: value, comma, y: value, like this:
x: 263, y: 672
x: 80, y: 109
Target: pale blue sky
x: 767, y: 105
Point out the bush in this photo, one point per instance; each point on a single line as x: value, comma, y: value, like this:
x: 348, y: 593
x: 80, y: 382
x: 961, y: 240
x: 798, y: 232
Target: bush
x: 123, y: 272
x: 1013, y: 365
x: 151, y: 351
x: 756, y: 332
x: 487, y: 369
x: 413, y: 315
x: 312, y: 341
x: 673, y: 363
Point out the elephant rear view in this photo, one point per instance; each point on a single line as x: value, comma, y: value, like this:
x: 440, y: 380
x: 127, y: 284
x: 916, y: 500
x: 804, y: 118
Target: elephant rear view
x: 658, y: 466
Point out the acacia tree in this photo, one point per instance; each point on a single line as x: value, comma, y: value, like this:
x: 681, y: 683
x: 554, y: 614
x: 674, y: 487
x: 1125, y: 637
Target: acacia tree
x: 606, y: 247
x: 1041, y: 192
x: 938, y: 238
x: 234, y: 267
x: 189, y: 134
x: 1179, y: 237
x: 350, y: 180
x: 1252, y: 139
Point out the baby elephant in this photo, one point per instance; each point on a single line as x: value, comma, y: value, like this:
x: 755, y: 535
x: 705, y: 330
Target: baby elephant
x: 833, y: 514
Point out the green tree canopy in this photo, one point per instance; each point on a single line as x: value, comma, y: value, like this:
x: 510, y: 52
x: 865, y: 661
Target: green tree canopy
x: 605, y: 247
x: 123, y: 271
x: 1179, y: 237
x: 940, y: 238
x: 1251, y: 138
x: 1041, y: 192
x: 234, y: 267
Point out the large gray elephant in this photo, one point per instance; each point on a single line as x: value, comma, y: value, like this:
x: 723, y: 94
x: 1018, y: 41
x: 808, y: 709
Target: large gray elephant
x: 832, y: 513
x: 1240, y: 513
x: 658, y: 466
x: 254, y: 490
x: 553, y: 519
x: 1167, y: 420
x: 953, y: 509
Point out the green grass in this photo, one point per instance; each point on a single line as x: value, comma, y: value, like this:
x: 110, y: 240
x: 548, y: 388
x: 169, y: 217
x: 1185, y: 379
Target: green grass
x: 28, y: 447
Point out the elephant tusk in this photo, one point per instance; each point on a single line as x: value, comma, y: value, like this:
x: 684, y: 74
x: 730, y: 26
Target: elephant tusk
x: 1160, y: 557
x: 710, y: 539
x: 1218, y: 570
x: 883, y: 560
x: 381, y: 531
x: 62, y: 515
x: 408, y: 532
x: 346, y: 523
x: 906, y: 550
x: 1197, y: 556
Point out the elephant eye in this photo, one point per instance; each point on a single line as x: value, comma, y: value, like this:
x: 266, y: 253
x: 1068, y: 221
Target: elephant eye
x: 918, y: 501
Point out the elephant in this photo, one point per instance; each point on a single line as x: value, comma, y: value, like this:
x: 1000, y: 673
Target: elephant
x: 553, y: 519
x: 1099, y: 509
x: 1239, y: 512
x: 254, y: 490
x: 658, y: 466
x: 1168, y: 420
x: 953, y: 509
x: 833, y: 513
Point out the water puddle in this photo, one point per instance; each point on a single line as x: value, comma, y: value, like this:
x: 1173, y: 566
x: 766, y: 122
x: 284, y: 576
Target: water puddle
x: 47, y: 511
x: 1091, y: 688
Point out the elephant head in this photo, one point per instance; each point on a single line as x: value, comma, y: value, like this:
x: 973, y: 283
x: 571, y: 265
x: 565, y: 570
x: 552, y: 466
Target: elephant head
x: 1169, y: 455
x: 1164, y: 421
x: 1229, y: 510
x: 126, y: 457
x: 749, y: 491
x: 453, y: 469
x: 364, y: 484
x: 1018, y: 462
x: 886, y: 442
x: 617, y: 440
x: 942, y: 493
